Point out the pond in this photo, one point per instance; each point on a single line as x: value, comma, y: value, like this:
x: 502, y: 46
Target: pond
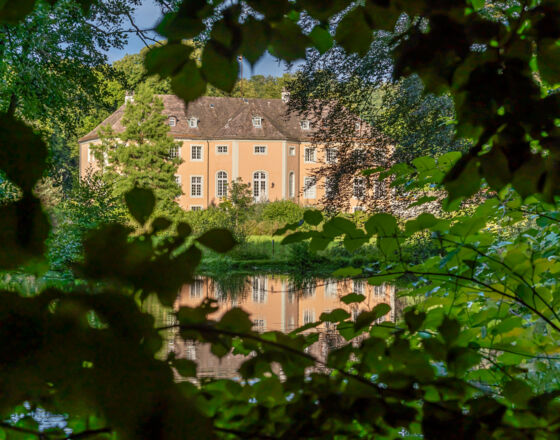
x: 275, y: 303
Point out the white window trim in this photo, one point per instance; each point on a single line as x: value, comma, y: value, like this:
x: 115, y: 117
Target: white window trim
x: 217, y: 186
x: 292, y: 184
x: 201, y: 186
x: 178, y: 153
x: 291, y: 150
x: 196, y: 206
x: 191, y: 120
x: 260, y: 154
x: 90, y: 155
x: 304, y: 124
x: 314, y: 155
x: 257, y: 121
x: 260, y: 197
x: 306, y: 189
x: 221, y: 152
x: 178, y: 180
x: 327, y: 155
x: 363, y: 185
x: 201, y: 153
x: 172, y: 121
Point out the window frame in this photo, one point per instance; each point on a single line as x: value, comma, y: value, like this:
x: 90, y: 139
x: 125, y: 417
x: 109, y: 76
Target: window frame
x: 259, y: 197
x: 356, y: 185
x: 178, y: 180
x: 331, y: 160
x: 177, y: 155
x: 292, y: 150
x: 222, y: 152
x: 199, y: 207
x: 305, y: 124
x: 193, y: 146
x: 172, y: 121
x: 306, y: 189
x: 218, y: 179
x: 255, y: 119
x: 292, y: 184
x: 305, y: 159
x: 193, y: 122
x: 259, y: 153
x: 194, y: 196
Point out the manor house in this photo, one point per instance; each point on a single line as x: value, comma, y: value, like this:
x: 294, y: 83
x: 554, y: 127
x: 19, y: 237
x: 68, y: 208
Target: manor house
x: 225, y: 139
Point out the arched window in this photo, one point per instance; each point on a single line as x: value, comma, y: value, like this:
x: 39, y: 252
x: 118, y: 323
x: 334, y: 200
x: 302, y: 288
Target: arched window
x: 260, y: 187
x: 292, y: 184
x: 172, y: 121
x: 221, y: 184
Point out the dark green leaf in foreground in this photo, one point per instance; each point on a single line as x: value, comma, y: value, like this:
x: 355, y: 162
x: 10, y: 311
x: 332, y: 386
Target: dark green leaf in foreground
x: 352, y: 298
x: 219, y: 240
x: 140, y: 203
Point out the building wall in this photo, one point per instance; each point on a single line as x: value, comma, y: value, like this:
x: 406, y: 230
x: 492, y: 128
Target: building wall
x: 240, y: 161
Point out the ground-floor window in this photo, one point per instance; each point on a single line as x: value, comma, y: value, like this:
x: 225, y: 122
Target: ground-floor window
x: 260, y: 186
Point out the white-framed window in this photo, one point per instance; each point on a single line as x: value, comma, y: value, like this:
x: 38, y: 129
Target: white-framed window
x: 196, y: 152
x: 329, y: 187
x: 177, y: 179
x: 308, y: 316
x: 379, y: 189
x: 331, y: 289
x: 357, y: 125
x: 330, y: 155
x: 197, y: 287
x: 378, y: 290
x: 196, y: 207
x: 259, y: 290
x: 304, y: 124
x: 259, y: 149
x: 196, y: 186
x: 221, y: 184
x: 292, y: 150
x: 190, y: 351
x: 292, y: 184
x: 221, y: 149
x: 90, y: 155
x: 309, y: 154
x: 359, y: 188
x: 193, y: 122
x: 308, y: 290
x: 358, y: 286
x: 172, y: 121
x: 259, y: 324
x: 309, y: 188
x: 257, y: 121
x: 260, y: 186
x: 174, y: 152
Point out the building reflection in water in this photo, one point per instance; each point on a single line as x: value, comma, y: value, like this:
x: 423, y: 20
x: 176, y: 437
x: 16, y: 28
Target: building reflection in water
x: 274, y: 303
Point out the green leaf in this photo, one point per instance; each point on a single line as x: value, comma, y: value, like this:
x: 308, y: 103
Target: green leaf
x: 478, y: 4
x: 140, y: 203
x: 167, y: 60
x: 321, y: 38
x: 353, y: 32
x: 313, y: 217
x: 377, y: 280
x: 548, y: 56
x: 23, y: 154
x: 185, y: 367
x: 337, y: 315
x: 219, y: 67
x: 347, y: 272
x: 449, y: 330
x: 189, y: 84
x: 382, y: 224
x: 366, y: 318
x: 287, y: 40
x: 12, y: 11
x: 352, y: 298
x: 236, y: 320
x: 414, y: 320
x: 255, y: 39
x: 296, y: 237
x: 219, y: 240
x: 518, y: 391
x: 423, y: 221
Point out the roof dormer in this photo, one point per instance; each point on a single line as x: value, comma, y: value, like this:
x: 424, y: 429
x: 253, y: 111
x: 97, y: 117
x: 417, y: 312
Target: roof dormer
x: 193, y: 122
x: 257, y: 121
x: 304, y: 124
x: 172, y: 121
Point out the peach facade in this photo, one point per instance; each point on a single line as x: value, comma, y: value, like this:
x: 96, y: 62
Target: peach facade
x: 225, y: 143
x: 275, y: 305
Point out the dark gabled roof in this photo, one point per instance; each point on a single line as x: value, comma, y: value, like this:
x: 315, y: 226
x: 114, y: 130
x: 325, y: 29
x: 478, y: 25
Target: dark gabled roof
x: 223, y: 118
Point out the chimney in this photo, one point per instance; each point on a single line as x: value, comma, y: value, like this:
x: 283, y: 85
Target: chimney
x: 285, y: 95
x: 129, y: 97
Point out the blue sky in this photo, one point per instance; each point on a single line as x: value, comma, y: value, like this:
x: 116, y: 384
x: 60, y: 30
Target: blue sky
x: 148, y: 15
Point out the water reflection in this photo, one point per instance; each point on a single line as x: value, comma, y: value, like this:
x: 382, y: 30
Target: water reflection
x: 274, y: 303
